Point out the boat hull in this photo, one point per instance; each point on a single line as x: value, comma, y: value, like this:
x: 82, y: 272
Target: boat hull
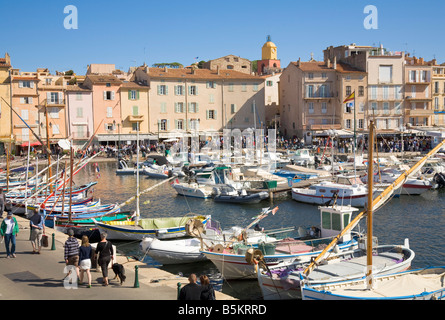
x: 300, y: 195
x: 235, y: 266
x: 173, y: 251
x: 136, y: 232
x: 193, y: 190
x: 252, y: 198
x: 284, y: 283
x: 425, y: 284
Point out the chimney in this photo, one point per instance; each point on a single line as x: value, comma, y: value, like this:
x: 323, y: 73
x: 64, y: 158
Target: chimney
x: 421, y: 60
x: 217, y: 70
x: 335, y: 63
x: 329, y: 63
x: 299, y: 62
x: 165, y: 69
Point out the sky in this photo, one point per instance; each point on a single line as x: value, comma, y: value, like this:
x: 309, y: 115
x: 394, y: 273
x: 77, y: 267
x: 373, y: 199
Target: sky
x: 129, y: 33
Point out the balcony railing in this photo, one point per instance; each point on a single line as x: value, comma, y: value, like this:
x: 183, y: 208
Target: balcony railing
x: 389, y: 97
x: 134, y: 118
x: 318, y: 95
x: 419, y: 112
x: 323, y: 126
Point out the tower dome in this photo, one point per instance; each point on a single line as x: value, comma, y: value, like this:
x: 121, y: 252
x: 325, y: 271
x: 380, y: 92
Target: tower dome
x: 269, y: 50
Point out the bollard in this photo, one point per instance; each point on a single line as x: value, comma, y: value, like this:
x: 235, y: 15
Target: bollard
x: 136, y: 278
x: 179, y: 288
x: 53, y: 246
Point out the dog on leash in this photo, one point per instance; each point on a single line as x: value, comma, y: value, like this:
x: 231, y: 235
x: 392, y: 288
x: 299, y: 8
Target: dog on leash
x: 119, y: 271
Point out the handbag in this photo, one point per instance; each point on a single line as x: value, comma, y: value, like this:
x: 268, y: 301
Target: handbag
x: 44, y: 241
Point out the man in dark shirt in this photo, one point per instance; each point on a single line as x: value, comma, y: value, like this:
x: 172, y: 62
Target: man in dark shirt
x: 191, y: 291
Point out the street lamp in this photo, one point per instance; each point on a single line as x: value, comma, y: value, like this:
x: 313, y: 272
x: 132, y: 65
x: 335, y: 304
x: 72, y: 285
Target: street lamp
x: 402, y: 130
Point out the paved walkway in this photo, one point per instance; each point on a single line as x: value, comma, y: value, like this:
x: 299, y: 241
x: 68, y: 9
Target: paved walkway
x: 40, y: 276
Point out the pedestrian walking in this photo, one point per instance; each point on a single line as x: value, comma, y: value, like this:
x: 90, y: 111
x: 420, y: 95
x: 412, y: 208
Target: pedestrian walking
x: 72, y: 253
x: 9, y: 230
x: 207, y: 293
x: 85, y: 254
x: 191, y: 291
x: 37, y: 231
x: 104, y: 253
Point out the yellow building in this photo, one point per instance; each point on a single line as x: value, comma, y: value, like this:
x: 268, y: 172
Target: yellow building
x: 5, y: 99
x: 134, y: 109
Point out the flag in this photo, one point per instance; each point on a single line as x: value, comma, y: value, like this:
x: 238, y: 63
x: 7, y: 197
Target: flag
x: 350, y: 98
x: 97, y: 170
x: 274, y: 210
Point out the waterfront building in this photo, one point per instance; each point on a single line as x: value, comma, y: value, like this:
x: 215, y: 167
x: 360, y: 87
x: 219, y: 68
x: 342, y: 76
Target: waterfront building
x: 272, y: 99
x: 5, y: 99
x: 52, y: 105
x: 438, y: 93
x: 418, y: 97
x: 25, y: 101
x: 134, y: 111
x: 230, y: 62
x: 79, y: 102
x: 185, y: 100
x: 312, y: 95
x: 307, y: 98
x: 385, y: 81
x: 106, y: 105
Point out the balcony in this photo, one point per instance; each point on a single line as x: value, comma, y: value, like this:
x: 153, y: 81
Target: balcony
x: 318, y: 95
x: 137, y: 118
x: 53, y: 102
x: 419, y: 112
x: 80, y: 135
x: 417, y: 98
x: 381, y: 97
x: 323, y: 126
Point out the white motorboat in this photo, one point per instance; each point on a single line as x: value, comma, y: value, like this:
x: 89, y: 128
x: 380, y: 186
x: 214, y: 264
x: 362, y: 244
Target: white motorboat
x: 347, y: 190
x: 301, y: 157
x: 227, y: 193
x: 158, y: 172
x: 412, y: 186
x: 193, y: 189
x: 123, y: 168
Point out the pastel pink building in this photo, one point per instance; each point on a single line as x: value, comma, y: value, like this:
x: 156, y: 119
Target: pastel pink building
x: 79, y: 100
x: 106, y: 104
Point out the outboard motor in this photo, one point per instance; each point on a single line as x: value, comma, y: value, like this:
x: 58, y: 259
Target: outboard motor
x: 439, y: 178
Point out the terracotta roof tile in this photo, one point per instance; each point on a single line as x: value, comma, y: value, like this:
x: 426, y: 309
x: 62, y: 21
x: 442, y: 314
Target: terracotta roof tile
x: 132, y: 84
x: 103, y: 79
x: 201, y: 74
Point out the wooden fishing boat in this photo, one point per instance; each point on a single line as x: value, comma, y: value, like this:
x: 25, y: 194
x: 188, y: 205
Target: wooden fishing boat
x: 417, y: 284
x: 162, y: 228
x: 232, y: 263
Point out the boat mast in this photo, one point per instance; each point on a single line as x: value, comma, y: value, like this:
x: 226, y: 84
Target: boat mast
x: 137, y: 175
x: 369, y: 281
x: 48, y: 152
x: 71, y: 183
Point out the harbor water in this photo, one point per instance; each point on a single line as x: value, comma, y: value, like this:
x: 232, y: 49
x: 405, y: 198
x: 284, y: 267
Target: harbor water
x: 418, y: 218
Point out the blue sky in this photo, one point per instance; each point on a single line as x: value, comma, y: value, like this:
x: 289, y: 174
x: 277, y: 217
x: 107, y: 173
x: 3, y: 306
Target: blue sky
x: 128, y: 33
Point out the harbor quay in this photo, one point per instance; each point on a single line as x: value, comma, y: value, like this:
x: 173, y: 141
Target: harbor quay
x: 41, y: 276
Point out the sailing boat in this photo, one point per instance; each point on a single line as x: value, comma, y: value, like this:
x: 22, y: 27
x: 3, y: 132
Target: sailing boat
x: 137, y: 228
x: 420, y: 284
